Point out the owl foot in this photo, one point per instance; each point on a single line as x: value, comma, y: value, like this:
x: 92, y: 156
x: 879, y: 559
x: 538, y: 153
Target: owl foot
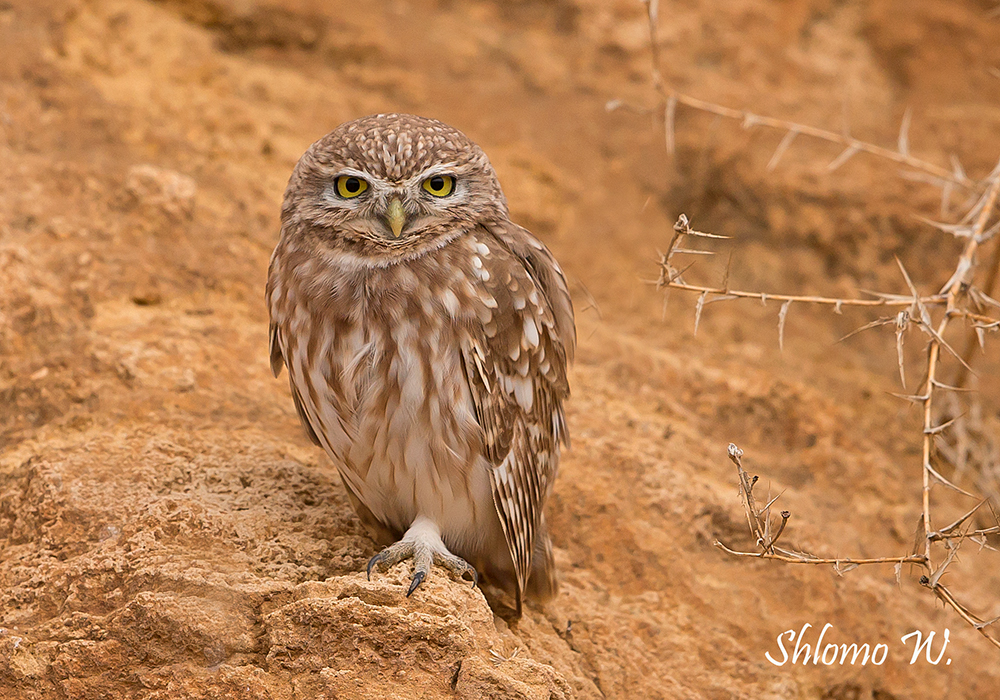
x: 421, y: 543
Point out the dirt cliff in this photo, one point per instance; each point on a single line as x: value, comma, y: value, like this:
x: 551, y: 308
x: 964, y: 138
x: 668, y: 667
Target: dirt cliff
x: 167, y: 530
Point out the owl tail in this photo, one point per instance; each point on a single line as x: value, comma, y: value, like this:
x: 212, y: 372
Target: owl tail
x: 543, y: 583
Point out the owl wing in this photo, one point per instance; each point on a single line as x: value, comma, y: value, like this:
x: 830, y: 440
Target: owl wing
x: 380, y: 532
x: 277, y: 362
x: 516, y: 369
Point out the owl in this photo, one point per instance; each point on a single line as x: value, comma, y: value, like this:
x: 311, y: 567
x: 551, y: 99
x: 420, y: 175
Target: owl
x: 427, y: 339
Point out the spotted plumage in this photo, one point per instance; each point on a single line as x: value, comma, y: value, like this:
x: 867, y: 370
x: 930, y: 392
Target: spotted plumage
x: 427, y: 339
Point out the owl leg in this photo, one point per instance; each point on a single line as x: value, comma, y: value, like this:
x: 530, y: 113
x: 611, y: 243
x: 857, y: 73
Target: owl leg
x: 422, y: 543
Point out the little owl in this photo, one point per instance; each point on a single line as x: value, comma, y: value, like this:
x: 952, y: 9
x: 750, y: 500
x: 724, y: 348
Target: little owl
x: 427, y: 339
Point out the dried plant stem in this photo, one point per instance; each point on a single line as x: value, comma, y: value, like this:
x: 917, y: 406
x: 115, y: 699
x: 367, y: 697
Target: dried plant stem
x: 977, y: 318
x: 959, y: 297
x: 831, y: 301
x: 851, y: 145
x: 670, y: 277
x: 936, y: 536
x: 933, y: 355
x: 988, y: 288
x: 945, y: 595
x: 958, y: 287
x: 671, y: 98
x: 758, y: 520
x: 958, y: 281
x: 909, y: 559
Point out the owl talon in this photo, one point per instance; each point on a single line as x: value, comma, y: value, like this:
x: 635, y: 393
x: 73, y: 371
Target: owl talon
x: 418, y: 578
x: 457, y: 566
x: 423, y: 544
x: 372, y: 563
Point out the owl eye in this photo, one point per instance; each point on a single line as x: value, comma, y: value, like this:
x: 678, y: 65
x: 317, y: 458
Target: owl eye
x: 440, y: 185
x: 349, y: 186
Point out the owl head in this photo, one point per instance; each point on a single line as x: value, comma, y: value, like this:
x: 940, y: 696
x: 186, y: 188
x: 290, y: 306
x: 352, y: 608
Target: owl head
x: 390, y: 185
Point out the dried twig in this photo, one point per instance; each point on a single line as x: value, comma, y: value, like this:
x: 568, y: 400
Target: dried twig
x: 759, y: 522
x: 801, y: 559
x: 671, y: 98
x: 952, y: 292
x: 959, y: 298
x: 977, y: 623
x: 671, y: 277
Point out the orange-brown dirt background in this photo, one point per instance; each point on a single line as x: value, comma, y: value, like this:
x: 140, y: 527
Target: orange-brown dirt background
x: 167, y: 531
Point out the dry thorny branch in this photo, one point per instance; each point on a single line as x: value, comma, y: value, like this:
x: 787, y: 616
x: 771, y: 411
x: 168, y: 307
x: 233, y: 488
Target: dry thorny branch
x: 947, y: 179
x: 960, y: 438
x: 762, y: 525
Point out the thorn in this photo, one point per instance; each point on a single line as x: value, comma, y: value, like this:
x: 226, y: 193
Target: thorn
x: 949, y: 387
x: 873, y: 324
x: 946, y: 190
x: 986, y: 623
x: 957, y: 230
x: 842, y: 158
x: 693, y: 251
x: 936, y: 576
x: 786, y: 141
x: 948, y: 530
x: 957, y: 169
x: 987, y: 235
x: 697, y: 310
x: 782, y: 315
x: 653, y: 9
x: 941, y: 428
x: 677, y: 274
x: 906, y: 277
x: 947, y: 483
x: 904, y: 134
x: 915, y: 398
x: 902, y: 323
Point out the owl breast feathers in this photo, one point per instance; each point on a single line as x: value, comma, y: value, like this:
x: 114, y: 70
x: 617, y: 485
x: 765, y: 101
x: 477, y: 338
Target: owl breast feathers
x: 427, y: 339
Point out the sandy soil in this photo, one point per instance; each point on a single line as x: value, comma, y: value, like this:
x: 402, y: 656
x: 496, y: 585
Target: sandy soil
x: 166, y: 529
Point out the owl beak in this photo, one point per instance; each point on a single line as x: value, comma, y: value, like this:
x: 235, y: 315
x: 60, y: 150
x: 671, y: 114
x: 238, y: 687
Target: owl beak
x: 396, y: 217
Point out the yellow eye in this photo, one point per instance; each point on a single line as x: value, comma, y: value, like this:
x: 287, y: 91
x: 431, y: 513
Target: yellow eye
x: 349, y: 186
x: 440, y: 185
